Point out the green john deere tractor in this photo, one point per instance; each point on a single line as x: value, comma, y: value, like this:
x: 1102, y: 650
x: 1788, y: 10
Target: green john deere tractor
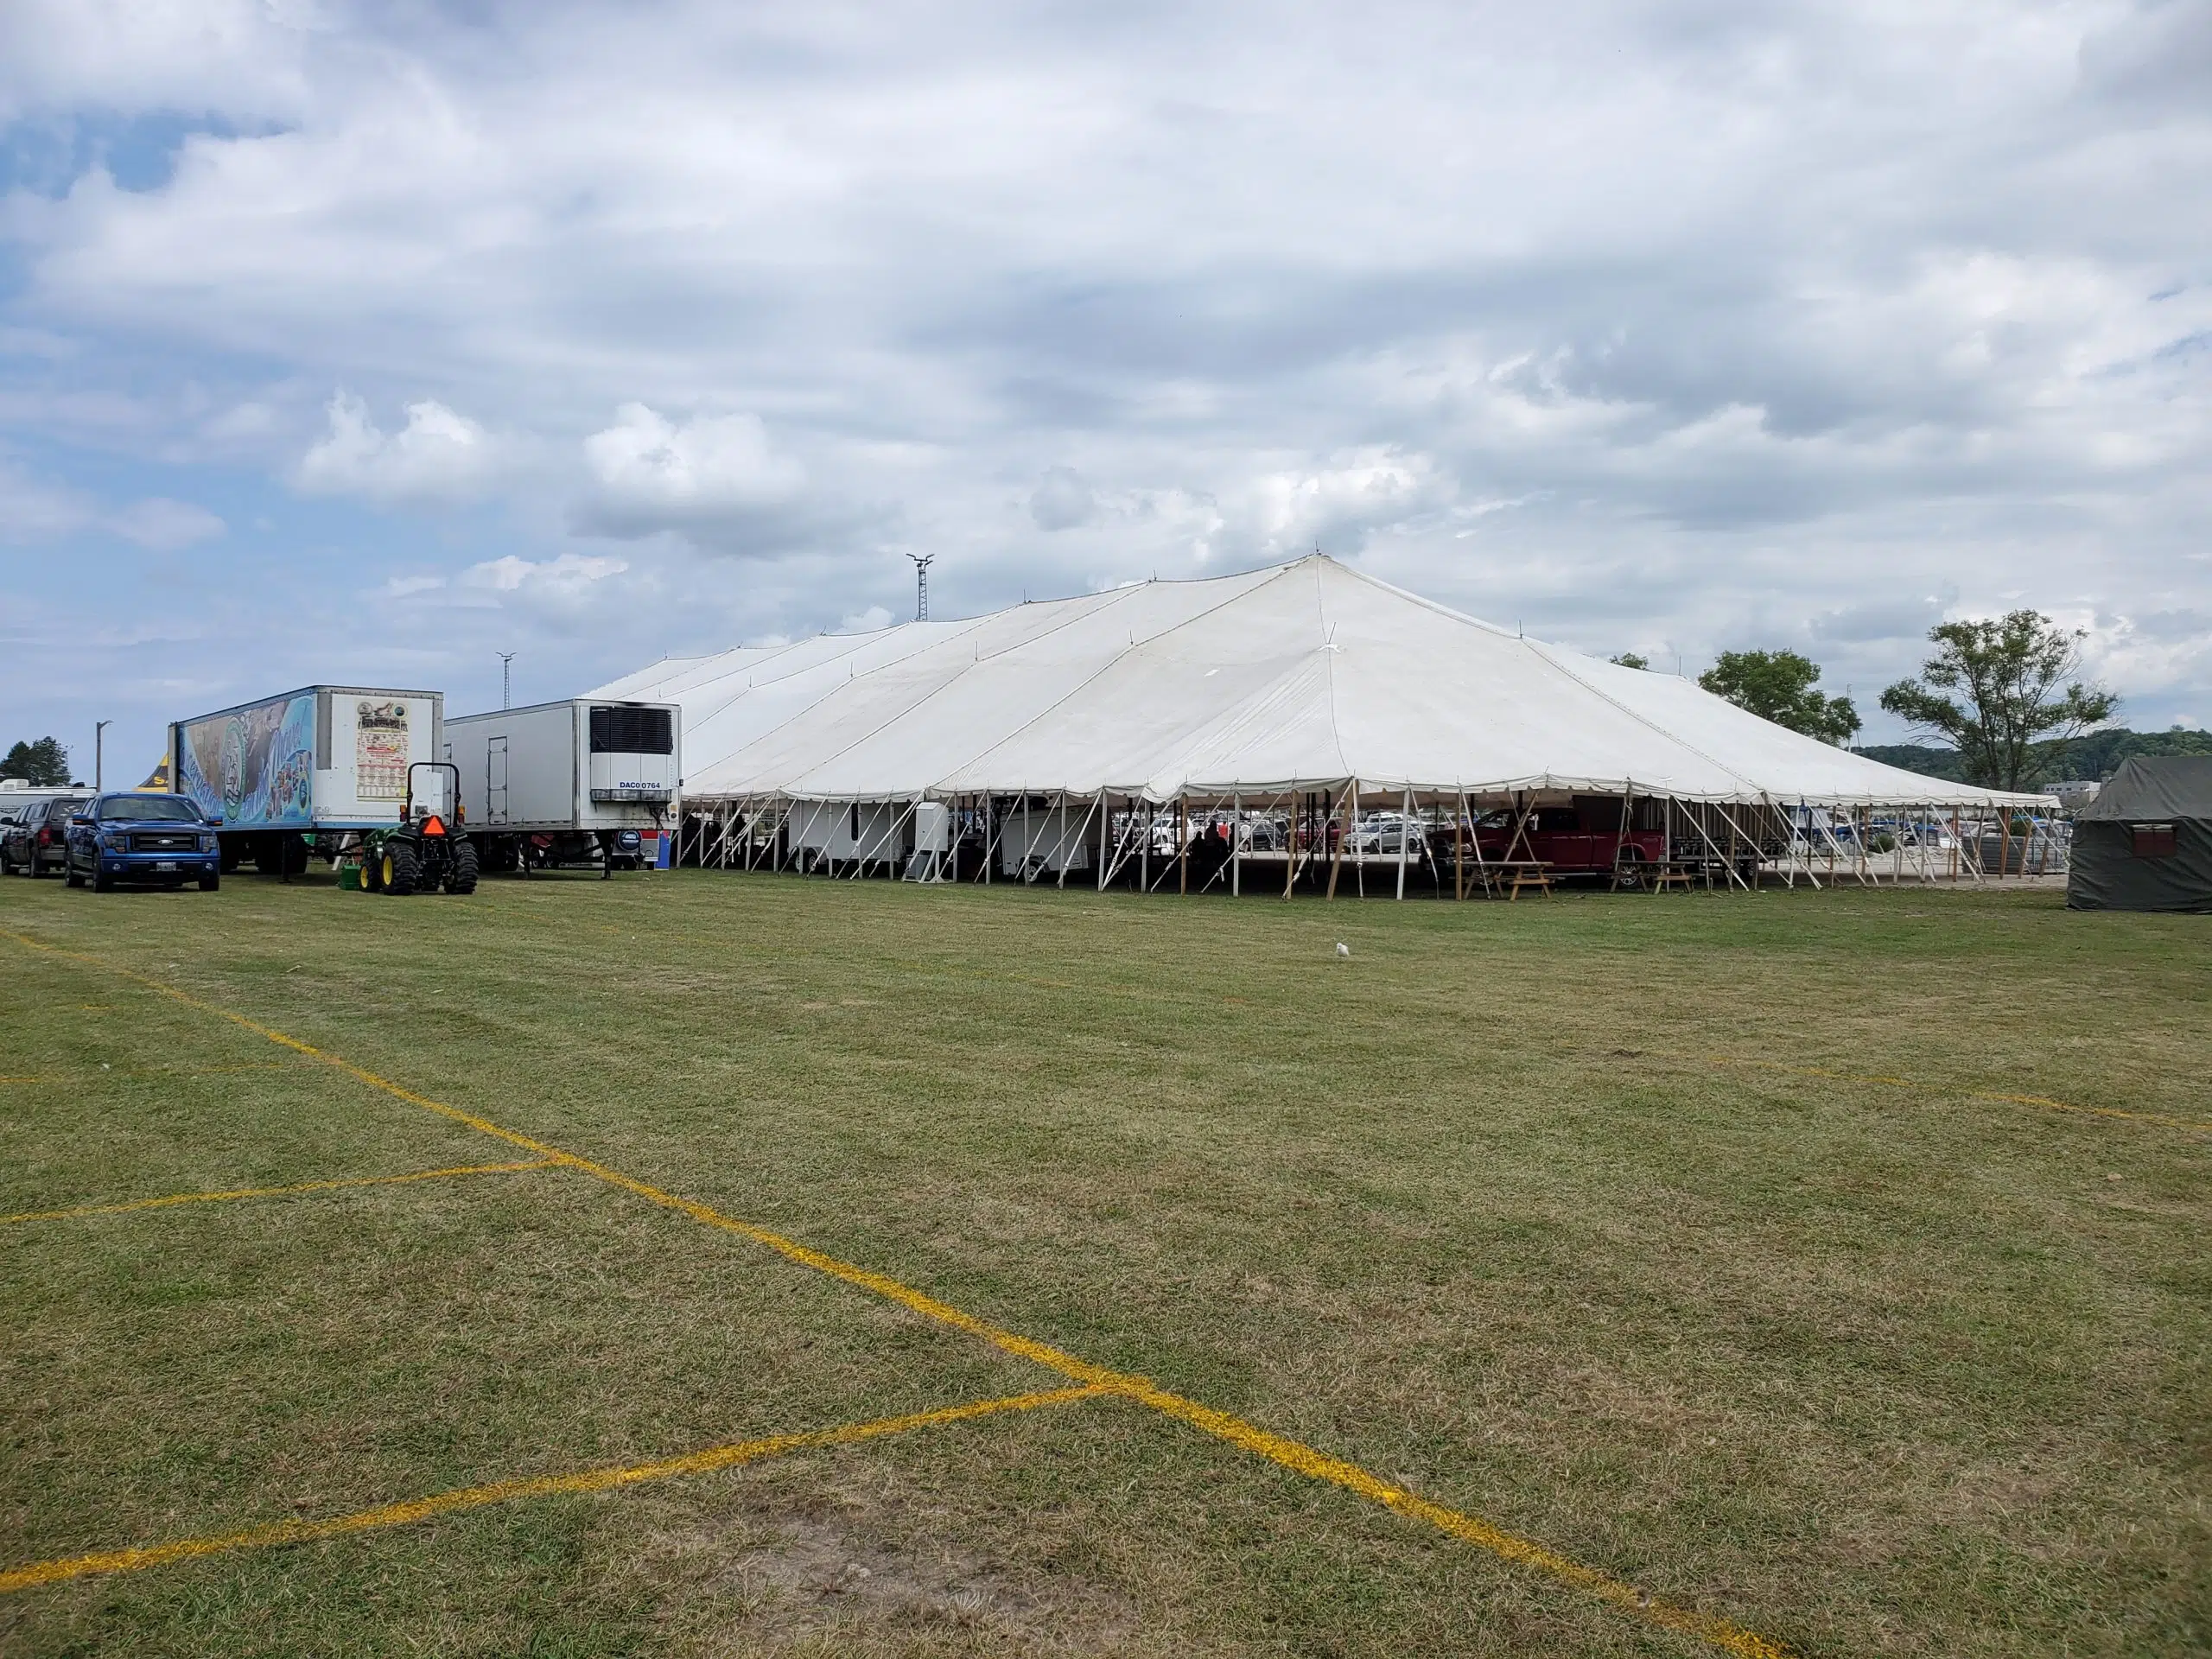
x: 425, y: 850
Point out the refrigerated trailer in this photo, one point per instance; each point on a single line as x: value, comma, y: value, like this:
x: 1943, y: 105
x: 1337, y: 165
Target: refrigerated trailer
x: 587, y: 780
x: 317, y: 768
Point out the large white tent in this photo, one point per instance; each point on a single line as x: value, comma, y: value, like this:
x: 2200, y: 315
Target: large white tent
x: 1307, y: 676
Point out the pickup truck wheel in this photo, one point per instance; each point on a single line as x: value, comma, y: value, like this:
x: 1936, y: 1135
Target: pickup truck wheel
x: 101, y: 881
x: 69, y: 876
x: 401, y: 869
x: 210, y: 883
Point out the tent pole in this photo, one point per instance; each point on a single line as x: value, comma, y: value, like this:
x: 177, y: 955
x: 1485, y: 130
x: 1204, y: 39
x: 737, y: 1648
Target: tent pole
x: 1105, y: 824
x: 1459, y: 849
x: 1359, y: 859
x: 1082, y: 840
x: 1183, y: 843
x: 1290, y: 846
x: 1405, y: 840
x: 1337, y: 860
x: 1237, y: 845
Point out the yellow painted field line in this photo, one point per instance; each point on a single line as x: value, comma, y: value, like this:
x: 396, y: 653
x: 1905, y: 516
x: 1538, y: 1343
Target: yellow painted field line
x: 331, y: 1186
x: 280, y: 1533
x: 1919, y: 1086
x: 1290, y: 1454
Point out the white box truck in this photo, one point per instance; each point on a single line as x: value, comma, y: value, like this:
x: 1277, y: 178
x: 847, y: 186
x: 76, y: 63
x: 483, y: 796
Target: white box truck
x: 310, y: 768
x: 588, y: 780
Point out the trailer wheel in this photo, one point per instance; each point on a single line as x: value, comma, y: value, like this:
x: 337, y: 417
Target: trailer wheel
x: 401, y: 869
x: 460, y: 869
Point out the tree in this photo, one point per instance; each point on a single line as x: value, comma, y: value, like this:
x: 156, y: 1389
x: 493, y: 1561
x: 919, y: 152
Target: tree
x: 1630, y: 659
x: 44, y: 762
x: 2009, y: 673
x: 1777, y: 685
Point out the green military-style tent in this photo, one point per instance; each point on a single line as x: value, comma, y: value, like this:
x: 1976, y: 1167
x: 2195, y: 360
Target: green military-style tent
x: 2146, y: 843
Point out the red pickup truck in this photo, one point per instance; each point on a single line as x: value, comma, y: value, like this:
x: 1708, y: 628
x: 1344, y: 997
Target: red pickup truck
x: 1571, y: 838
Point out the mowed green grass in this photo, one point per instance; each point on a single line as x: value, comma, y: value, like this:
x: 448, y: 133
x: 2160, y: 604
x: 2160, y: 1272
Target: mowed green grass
x: 1497, y: 1208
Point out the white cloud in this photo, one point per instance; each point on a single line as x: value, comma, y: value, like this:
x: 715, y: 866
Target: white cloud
x: 1749, y: 315
x: 439, y: 455
x: 650, y: 474
x: 568, y: 574
x: 33, y: 510
x: 164, y: 526
x: 867, y: 621
x: 1062, y: 500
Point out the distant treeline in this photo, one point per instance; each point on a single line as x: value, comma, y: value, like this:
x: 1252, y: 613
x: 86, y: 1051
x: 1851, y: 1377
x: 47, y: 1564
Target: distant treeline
x: 2094, y: 754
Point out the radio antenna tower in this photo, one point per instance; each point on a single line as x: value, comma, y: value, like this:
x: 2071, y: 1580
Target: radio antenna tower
x: 921, y: 585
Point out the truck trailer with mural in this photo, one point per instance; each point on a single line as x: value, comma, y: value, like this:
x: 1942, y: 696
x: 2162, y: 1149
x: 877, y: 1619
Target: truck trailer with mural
x: 317, y: 770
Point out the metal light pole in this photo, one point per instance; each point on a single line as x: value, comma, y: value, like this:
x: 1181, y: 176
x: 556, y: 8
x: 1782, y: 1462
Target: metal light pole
x: 506, y: 665
x: 99, y: 739
x: 922, y: 562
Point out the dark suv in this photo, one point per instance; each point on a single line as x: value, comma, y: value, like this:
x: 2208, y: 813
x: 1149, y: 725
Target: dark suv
x: 158, y: 838
x: 37, y: 842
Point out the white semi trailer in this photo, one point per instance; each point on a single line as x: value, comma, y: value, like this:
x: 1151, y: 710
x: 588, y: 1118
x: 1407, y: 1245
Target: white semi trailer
x: 587, y: 780
x: 315, y: 767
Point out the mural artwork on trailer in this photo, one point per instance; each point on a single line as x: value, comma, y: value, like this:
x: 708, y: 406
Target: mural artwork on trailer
x: 253, y: 767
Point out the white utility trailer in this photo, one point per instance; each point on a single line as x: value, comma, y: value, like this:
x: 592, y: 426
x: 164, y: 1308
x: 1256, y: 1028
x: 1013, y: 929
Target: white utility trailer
x: 1043, y: 840
x: 314, y: 767
x: 825, y: 834
x: 586, y: 780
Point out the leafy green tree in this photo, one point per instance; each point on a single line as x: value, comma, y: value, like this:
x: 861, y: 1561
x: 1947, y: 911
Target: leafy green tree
x: 2013, y: 677
x: 1777, y: 685
x: 1630, y: 659
x: 44, y: 762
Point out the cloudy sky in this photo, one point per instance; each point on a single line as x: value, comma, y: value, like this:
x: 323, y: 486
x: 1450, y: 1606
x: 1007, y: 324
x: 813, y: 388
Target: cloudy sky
x: 364, y: 342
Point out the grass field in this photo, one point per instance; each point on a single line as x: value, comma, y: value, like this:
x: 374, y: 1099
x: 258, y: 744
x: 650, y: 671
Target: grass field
x: 1832, y: 1268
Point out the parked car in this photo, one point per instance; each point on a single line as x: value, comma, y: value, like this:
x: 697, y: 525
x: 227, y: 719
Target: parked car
x: 1560, y: 836
x: 1388, y: 832
x: 37, y: 843
x: 149, y: 838
x: 10, y: 812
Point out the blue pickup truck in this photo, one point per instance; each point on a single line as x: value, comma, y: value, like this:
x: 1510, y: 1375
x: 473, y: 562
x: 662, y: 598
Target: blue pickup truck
x: 153, y: 838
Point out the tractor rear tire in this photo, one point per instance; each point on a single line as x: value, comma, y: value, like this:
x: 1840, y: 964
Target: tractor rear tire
x: 402, y: 869
x: 460, y: 869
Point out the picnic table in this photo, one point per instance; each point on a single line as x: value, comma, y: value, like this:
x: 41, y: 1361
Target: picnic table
x: 1509, y: 875
x: 1680, y: 873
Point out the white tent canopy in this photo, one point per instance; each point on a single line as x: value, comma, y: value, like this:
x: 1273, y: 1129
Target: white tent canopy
x: 1300, y: 676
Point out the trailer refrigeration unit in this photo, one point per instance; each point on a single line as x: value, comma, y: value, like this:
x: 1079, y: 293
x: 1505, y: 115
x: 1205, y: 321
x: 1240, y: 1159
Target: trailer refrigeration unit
x: 585, y: 781
x: 323, y: 767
